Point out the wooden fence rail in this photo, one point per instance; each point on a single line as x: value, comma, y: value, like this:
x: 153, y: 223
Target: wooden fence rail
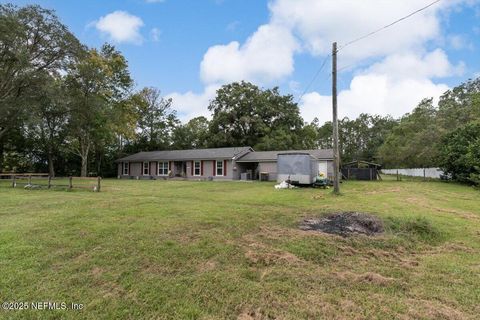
x: 32, y: 180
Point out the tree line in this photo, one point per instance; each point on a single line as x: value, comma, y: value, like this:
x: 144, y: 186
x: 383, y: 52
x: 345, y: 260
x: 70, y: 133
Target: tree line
x: 68, y: 109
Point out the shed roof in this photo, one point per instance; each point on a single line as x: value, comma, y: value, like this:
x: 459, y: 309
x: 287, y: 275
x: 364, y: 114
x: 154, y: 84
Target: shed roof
x: 264, y: 156
x: 192, y: 154
x: 358, y: 163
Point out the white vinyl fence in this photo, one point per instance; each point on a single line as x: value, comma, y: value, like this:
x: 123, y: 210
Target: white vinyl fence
x: 416, y: 172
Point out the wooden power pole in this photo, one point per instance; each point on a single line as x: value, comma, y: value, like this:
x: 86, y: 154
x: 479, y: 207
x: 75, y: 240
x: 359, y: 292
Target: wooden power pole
x: 336, y: 156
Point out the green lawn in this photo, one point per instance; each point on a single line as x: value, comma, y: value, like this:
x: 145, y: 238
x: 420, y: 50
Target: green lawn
x: 228, y: 250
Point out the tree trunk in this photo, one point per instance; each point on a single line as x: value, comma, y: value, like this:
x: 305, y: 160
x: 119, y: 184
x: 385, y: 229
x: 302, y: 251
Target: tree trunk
x: 1, y: 155
x: 51, y: 169
x: 84, y: 169
x: 84, y: 151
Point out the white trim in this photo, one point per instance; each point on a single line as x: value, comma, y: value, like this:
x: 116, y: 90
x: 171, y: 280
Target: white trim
x: 163, y: 168
x: 148, y: 168
x: 127, y: 167
x: 216, y: 168
x: 199, y: 168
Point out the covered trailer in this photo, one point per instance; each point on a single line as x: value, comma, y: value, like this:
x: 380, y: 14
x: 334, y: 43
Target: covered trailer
x: 296, y: 168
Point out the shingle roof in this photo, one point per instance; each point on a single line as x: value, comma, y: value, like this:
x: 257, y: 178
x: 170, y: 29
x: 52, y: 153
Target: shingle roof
x: 272, y: 155
x: 193, y: 154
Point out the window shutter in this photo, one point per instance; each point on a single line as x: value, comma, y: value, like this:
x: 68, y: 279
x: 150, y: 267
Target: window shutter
x: 129, y: 169
x: 169, y: 166
x: 193, y: 164
x: 224, y: 167
x: 214, y: 167
x: 201, y: 168
x: 156, y: 168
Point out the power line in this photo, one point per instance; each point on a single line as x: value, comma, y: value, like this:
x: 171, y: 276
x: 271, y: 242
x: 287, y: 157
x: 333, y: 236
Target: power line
x: 314, y: 77
x: 387, y: 26
x: 359, y: 39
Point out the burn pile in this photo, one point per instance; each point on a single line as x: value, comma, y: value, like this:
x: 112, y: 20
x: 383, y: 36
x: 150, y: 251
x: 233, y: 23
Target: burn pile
x: 345, y: 224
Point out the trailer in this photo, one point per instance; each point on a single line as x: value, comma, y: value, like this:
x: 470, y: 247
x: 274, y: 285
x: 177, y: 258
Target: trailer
x: 297, y: 168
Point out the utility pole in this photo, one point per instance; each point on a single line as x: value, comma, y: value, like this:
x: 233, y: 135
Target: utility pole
x: 336, y: 156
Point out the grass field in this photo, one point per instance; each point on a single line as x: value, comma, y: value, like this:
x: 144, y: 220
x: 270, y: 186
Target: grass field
x: 232, y: 250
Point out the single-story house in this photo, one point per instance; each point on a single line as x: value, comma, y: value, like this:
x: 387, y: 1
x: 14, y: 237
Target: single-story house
x: 215, y: 163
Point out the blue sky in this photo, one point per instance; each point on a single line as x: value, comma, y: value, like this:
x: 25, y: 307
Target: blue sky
x: 189, y: 48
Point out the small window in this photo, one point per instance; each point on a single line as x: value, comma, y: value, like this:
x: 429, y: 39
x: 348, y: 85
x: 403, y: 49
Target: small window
x: 197, y: 168
x: 125, y: 168
x: 219, y: 168
x: 163, y: 168
x: 146, y: 168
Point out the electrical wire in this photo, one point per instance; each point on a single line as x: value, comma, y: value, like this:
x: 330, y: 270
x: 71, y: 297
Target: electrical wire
x: 314, y: 77
x: 359, y: 39
x: 387, y: 26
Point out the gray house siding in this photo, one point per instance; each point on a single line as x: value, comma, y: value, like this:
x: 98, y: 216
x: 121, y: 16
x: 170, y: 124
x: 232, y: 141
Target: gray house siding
x: 270, y: 168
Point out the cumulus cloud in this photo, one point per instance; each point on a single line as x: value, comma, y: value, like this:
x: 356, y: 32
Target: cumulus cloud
x: 266, y: 56
x: 399, y: 73
x: 321, y: 22
x: 393, y: 86
x: 121, y: 27
x: 190, y: 105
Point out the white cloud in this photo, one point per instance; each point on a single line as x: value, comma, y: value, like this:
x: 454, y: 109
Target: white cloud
x: 434, y: 64
x: 155, y: 34
x: 399, y: 72
x: 265, y: 57
x: 320, y: 22
x: 190, y: 105
x: 393, y: 86
x: 120, y: 26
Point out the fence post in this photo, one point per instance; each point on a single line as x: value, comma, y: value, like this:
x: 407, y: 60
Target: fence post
x: 424, y: 177
x: 13, y: 181
x: 98, y: 183
x: 70, y: 184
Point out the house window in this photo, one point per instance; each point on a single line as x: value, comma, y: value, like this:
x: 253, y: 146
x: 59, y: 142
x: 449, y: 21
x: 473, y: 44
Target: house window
x: 146, y: 168
x: 125, y: 168
x: 163, y: 168
x: 197, y: 171
x: 219, y: 168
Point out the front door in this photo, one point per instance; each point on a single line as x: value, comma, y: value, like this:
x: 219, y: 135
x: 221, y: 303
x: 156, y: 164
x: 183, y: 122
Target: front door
x: 179, y: 169
x: 323, y: 168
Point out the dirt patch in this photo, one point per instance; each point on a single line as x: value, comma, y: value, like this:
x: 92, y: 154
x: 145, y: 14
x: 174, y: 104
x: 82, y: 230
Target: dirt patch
x: 207, y: 266
x: 432, y: 310
x: 368, y: 277
x: 270, y: 258
x: 345, y: 223
x: 393, y: 190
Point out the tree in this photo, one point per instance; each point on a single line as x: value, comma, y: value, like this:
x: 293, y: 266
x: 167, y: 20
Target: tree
x: 192, y: 135
x: 459, y: 106
x: 245, y: 115
x: 460, y: 153
x: 32, y: 42
x: 156, y: 121
x: 46, y: 126
x: 98, y: 86
x: 413, y: 142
